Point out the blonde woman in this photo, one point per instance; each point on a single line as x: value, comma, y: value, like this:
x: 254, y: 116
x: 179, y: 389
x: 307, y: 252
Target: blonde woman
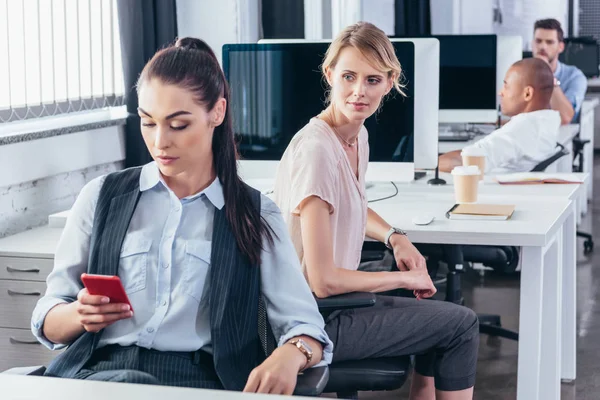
x: 320, y: 189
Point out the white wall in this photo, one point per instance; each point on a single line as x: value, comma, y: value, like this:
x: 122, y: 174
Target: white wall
x: 476, y: 16
x: 454, y: 17
x: 44, y: 176
x: 347, y: 12
x: 219, y: 22
x: 520, y: 15
x: 27, y: 205
x: 317, y: 19
x: 381, y: 13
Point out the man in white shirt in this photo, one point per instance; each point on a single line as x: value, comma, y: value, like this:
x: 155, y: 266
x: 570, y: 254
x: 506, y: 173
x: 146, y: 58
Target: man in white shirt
x: 530, y: 136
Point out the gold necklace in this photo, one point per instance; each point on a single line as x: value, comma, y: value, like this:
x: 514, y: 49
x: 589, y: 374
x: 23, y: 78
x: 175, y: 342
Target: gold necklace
x: 347, y: 143
x: 344, y: 140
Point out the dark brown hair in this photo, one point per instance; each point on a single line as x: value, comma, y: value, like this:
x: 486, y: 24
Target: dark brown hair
x: 191, y: 64
x: 550, y: 24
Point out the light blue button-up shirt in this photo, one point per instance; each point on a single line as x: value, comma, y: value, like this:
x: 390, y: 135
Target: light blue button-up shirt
x: 164, y: 265
x: 573, y: 83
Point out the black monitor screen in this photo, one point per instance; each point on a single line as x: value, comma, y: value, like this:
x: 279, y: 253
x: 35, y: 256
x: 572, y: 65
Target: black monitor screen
x: 467, y: 72
x: 277, y: 88
x: 583, y: 53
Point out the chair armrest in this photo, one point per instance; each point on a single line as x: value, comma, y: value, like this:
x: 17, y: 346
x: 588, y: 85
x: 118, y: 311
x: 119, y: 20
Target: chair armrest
x: 371, y: 255
x: 345, y: 301
x: 312, y: 382
x: 38, y: 371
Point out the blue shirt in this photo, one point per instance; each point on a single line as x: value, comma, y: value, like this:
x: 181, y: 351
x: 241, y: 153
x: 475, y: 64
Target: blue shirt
x: 574, y: 85
x: 164, y: 265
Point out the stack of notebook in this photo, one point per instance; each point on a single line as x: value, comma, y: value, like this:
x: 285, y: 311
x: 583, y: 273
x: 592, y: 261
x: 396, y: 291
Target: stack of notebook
x: 489, y: 212
x: 529, y: 178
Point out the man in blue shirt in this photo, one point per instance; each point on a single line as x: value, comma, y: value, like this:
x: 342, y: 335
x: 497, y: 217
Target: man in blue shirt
x: 570, y: 84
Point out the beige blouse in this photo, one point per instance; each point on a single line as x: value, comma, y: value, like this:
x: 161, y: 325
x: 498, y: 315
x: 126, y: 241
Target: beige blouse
x: 315, y: 164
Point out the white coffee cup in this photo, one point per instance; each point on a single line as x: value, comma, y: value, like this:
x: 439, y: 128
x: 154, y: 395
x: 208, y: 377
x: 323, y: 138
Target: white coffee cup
x: 474, y: 156
x: 466, y: 183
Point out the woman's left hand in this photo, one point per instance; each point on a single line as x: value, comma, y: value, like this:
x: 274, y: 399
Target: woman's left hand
x: 407, y: 258
x: 406, y: 254
x: 278, y: 373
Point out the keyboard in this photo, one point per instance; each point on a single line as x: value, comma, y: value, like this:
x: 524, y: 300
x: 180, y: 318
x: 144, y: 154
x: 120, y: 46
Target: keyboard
x: 455, y: 136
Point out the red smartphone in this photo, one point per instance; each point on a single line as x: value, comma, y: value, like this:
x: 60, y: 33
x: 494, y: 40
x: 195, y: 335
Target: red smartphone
x: 106, y: 285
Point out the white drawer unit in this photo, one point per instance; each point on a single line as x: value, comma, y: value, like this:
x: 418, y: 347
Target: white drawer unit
x: 26, y: 259
x: 19, y: 348
x: 17, y: 301
x: 26, y: 269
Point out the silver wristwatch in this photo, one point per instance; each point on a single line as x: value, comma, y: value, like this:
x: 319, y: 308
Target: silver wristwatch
x: 389, y: 234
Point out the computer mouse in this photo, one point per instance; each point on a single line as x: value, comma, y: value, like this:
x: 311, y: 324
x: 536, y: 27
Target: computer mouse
x: 423, y: 219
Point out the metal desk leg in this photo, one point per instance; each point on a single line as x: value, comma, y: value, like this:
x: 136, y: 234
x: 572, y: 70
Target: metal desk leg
x: 569, y: 300
x: 530, y: 324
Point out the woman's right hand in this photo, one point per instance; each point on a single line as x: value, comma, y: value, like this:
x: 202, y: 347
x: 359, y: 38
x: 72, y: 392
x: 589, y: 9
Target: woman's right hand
x: 96, y: 313
x: 419, y: 281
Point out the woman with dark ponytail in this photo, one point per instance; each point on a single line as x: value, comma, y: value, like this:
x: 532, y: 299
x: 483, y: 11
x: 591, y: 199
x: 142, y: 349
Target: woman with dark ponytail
x: 195, y: 249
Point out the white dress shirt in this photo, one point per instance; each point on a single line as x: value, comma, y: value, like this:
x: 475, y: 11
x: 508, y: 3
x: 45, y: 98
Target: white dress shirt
x: 522, y: 143
x: 164, y: 266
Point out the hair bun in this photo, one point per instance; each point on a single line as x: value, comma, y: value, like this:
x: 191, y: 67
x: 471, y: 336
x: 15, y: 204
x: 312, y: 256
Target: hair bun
x: 192, y: 43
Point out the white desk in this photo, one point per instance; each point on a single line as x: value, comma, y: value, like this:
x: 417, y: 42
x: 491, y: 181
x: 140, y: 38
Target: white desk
x: 565, y: 137
x: 36, y: 388
x: 547, y: 312
x: 575, y: 192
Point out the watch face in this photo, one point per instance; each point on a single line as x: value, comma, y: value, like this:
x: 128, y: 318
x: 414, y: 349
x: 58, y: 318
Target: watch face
x: 400, y: 231
x: 306, y: 346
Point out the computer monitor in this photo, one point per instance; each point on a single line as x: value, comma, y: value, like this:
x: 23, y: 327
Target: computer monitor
x: 582, y: 52
x: 468, y: 78
x: 509, y: 51
x: 426, y: 95
x: 277, y: 87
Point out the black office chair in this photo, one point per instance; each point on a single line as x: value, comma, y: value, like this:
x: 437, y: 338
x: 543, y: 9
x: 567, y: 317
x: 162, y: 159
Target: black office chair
x: 561, y: 152
x: 578, y: 159
x: 455, y: 257
x: 347, y: 378
x: 310, y: 382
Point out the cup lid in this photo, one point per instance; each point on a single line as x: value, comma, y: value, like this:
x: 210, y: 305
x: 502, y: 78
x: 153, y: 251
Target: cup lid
x: 466, y: 170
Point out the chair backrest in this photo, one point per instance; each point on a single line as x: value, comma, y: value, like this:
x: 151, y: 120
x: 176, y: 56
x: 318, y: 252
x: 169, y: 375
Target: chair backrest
x: 541, y: 167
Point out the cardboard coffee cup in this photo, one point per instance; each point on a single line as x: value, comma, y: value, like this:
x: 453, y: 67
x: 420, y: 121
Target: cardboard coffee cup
x: 466, y: 183
x: 474, y: 156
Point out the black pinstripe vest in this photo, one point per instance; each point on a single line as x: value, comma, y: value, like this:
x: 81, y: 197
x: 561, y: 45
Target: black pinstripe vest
x: 233, y: 293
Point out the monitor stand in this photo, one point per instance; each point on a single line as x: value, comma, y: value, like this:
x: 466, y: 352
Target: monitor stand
x: 418, y: 175
x: 437, y: 180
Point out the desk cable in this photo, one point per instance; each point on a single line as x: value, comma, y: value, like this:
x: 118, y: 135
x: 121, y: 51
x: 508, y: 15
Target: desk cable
x: 268, y: 192
x: 387, y: 197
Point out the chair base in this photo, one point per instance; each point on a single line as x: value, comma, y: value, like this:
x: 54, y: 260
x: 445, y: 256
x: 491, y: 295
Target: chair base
x: 491, y: 324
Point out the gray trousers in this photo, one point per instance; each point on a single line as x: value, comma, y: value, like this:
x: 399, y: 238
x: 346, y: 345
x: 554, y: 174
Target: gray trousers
x: 444, y: 337
x: 133, y: 364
